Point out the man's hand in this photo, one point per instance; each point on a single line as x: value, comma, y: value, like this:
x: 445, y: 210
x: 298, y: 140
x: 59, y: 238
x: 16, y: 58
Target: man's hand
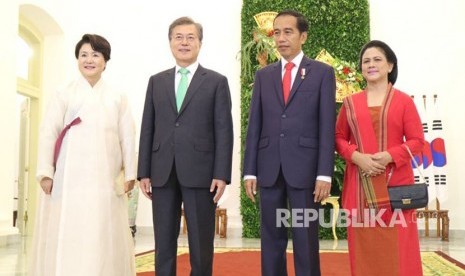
x: 129, y: 185
x: 251, y: 188
x: 146, y: 187
x: 47, y: 184
x: 219, y: 186
x: 322, y: 189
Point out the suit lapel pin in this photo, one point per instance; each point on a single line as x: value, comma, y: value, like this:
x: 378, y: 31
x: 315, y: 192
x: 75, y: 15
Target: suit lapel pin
x: 302, y: 73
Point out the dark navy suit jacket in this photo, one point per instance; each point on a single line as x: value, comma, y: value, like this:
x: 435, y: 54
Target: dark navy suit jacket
x: 298, y: 136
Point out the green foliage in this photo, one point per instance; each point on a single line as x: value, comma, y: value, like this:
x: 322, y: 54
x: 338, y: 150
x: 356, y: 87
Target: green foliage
x: 261, y: 43
x: 339, y: 26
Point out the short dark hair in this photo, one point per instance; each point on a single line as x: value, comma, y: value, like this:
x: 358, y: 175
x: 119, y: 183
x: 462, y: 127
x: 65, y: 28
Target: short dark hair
x: 302, y: 22
x: 98, y: 44
x: 388, y: 52
x: 185, y: 21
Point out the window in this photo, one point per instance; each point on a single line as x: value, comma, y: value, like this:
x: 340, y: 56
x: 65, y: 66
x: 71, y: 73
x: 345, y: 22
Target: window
x: 23, y: 58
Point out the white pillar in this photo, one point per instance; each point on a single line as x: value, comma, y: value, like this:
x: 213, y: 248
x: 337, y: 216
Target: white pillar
x: 9, y: 31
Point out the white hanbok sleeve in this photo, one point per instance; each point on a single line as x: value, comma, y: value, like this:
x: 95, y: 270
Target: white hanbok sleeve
x: 50, y: 128
x: 126, y: 128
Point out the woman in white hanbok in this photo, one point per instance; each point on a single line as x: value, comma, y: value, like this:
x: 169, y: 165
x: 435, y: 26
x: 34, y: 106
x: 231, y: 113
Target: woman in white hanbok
x: 82, y: 221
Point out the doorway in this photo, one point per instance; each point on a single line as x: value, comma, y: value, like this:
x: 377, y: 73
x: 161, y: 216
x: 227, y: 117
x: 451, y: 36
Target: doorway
x: 21, y: 189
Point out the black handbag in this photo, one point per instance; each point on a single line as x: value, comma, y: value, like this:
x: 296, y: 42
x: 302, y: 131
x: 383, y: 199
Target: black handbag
x: 410, y: 196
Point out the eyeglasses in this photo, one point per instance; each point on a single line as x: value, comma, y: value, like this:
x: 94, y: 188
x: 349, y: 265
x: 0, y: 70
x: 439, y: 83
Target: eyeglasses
x: 180, y: 38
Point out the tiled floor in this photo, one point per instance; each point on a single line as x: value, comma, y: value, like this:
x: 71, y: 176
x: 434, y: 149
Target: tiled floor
x: 13, y: 257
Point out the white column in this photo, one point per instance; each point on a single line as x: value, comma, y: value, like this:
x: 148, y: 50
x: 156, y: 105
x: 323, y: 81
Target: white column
x: 9, y: 31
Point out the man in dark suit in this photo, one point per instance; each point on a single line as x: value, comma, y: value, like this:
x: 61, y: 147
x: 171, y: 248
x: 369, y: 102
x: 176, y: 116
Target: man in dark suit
x: 185, y: 151
x: 290, y: 147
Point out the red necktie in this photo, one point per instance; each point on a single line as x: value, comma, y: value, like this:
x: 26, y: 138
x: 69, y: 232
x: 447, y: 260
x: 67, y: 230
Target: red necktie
x: 60, y: 138
x: 287, y: 81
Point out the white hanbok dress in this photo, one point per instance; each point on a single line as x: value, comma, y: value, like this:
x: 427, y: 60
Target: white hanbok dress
x: 82, y: 227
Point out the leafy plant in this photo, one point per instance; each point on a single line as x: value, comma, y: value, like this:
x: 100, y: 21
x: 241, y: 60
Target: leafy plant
x: 262, y: 47
x: 345, y: 71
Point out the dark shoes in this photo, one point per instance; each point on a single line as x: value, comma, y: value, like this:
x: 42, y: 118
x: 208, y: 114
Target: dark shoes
x: 133, y: 230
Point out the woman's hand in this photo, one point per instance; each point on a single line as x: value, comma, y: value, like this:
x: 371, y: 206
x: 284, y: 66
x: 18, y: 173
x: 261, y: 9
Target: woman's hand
x: 129, y: 185
x: 369, y: 165
x: 47, y: 184
x: 383, y: 158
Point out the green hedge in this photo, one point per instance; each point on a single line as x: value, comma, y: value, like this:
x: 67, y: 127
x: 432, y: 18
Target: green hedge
x: 339, y: 26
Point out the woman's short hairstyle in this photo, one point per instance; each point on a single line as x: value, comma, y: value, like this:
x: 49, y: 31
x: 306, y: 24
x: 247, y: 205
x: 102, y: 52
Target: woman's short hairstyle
x: 388, y: 52
x: 186, y: 21
x: 98, y: 44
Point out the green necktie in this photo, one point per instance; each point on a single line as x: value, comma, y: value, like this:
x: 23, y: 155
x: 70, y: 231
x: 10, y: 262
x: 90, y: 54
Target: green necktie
x: 182, y: 87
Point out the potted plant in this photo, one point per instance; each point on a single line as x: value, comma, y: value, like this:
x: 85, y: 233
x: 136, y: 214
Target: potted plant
x: 261, y: 47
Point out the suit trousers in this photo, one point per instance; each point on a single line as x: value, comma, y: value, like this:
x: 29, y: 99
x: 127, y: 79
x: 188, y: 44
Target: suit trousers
x: 199, y: 210
x: 274, y: 235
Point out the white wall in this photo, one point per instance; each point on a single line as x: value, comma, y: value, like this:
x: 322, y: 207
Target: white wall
x: 428, y: 37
